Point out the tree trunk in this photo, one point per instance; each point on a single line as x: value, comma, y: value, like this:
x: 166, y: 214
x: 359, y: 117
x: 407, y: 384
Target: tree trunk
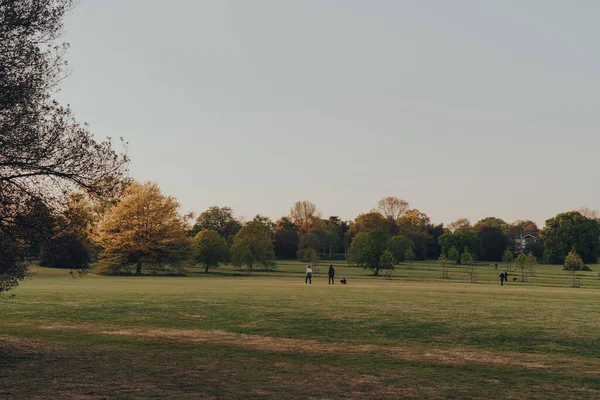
x: 377, y: 271
x: 206, y: 269
x: 138, y: 268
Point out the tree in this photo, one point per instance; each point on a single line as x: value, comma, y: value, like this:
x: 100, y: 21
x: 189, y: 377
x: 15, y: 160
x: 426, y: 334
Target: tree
x: 531, y: 262
x: 304, y: 213
x: 568, y: 231
x: 413, y: 221
x: 491, y: 222
x: 309, y: 255
x: 70, y: 245
x: 460, y: 240
x: 145, y: 228
x: 286, y: 238
x: 409, y: 256
x: 522, y: 226
x: 44, y: 153
x: 392, y: 207
x: 398, y: 245
x: 507, y: 258
x: 369, y: 222
x: 252, y: 245
x: 218, y: 219
x: 573, y: 261
x: 493, y: 242
x: 460, y: 225
x: 467, y: 258
x: 589, y: 213
x: 453, y: 255
x: 366, y: 250
x: 521, y: 262
x: 386, y: 261
x: 210, y: 249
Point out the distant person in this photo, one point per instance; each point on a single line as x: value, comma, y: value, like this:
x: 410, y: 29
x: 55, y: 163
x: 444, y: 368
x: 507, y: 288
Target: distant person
x: 308, y: 275
x: 331, y: 275
x: 496, y: 266
x: 502, y: 278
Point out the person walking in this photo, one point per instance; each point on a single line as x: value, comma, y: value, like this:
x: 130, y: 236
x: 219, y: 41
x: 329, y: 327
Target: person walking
x: 502, y: 278
x: 308, y: 275
x: 331, y: 275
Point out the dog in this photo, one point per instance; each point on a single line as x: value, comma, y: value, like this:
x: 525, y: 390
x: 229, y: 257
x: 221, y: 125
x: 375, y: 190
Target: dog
x: 515, y: 279
x: 343, y: 281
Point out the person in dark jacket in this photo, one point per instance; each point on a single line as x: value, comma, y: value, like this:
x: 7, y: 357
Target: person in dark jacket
x: 502, y: 278
x: 331, y: 275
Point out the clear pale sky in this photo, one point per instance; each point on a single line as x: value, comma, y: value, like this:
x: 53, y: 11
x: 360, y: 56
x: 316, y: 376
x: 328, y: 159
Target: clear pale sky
x: 463, y: 108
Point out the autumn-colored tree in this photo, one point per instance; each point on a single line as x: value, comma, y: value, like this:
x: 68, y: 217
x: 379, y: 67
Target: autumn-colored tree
x: 460, y: 225
x: 413, y: 221
x: 589, y: 213
x: 492, y: 222
x: 144, y: 228
x: 304, y: 214
x: 252, y: 245
x: 210, y: 249
x: 369, y: 222
x: 392, y: 207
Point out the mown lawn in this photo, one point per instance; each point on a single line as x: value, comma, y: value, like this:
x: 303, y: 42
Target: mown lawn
x: 229, y: 336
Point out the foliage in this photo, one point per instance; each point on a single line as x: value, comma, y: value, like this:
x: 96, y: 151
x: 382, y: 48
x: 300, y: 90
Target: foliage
x: 218, y: 219
x: 286, y: 238
x: 65, y: 251
x: 210, y: 249
x: 467, y: 258
x: 386, y: 261
x: 304, y: 214
x: 571, y: 230
x: 369, y: 222
x: 366, y: 250
x: 460, y: 225
x: 310, y: 256
x: 521, y: 260
x: 493, y: 242
x: 252, y: 245
x: 460, y: 240
x: 453, y: 255
x: 573, y: 261
x: 398, y: 245
x: 392, y: 207
x: 491, y: 222
x: 44, y: 153
x: 409, y: 256
x: 144, y: 228
x: 413, y: 221
x: 508, y: 257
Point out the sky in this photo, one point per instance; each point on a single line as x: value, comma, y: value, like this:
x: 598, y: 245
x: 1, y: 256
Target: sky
x: 463, y: 108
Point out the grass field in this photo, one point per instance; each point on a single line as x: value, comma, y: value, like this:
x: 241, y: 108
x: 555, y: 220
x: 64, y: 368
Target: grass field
x: 230, y: 336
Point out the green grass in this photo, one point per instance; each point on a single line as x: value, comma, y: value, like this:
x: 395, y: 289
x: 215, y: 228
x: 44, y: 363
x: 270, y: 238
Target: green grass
x: 229, y: 336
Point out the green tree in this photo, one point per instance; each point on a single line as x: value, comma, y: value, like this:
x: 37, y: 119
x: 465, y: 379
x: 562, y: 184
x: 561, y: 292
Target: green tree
x: 286, y: 238
x: 460, y: 225
x: 398, y: 246
x: 460, y: 240
x: 507, y: 258
x: 366, y: 250
x: 218, y: 219
x: 573, y: 261
x: 453, y: 255
x: 210, y: 249
x: 409, y: 256
x: 521, y: 262
x: 571, y: 230
x: 252, y: 245
x: 531, y: 262
x: 493, y: 241
x: 467, y: 258
x: 491, y: 222
x: 386, y: 261
x: 144, y: 228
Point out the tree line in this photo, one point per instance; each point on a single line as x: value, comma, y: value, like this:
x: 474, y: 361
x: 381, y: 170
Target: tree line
x: 143, y: 229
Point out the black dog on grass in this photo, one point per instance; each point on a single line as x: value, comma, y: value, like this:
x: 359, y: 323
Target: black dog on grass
x: 343, y: 281
x: 515, y: 279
